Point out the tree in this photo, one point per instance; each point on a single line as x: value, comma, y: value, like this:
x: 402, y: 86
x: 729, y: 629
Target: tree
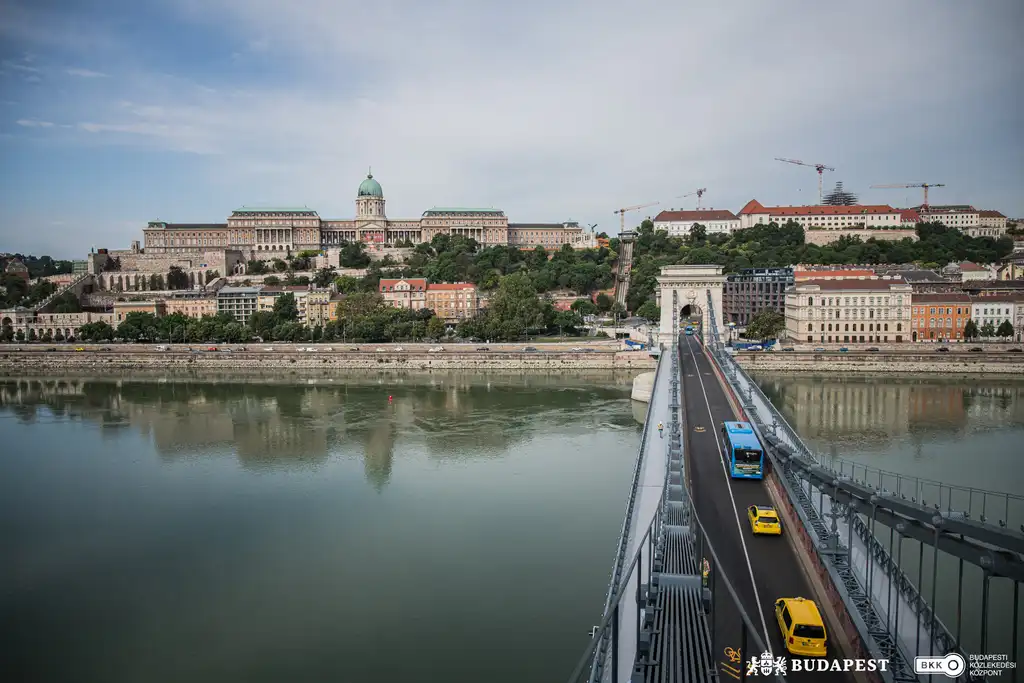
x: 650, y: 311
x: 280, y: 266
x: 435, y: 328
x: 177, y: 278
x: 698, y: 233
x: 767, y: 324
x: 971, y: 330
x: 324, y: 277
x: 285, y: 308
x: 255, y: 267
x: 515, y: 309
x: 988, y: 329
x: 604, y: 302
x: 271, y: 280
x: 1005, y: 329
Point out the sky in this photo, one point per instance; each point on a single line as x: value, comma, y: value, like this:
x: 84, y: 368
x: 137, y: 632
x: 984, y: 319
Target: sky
x: 114, y: 113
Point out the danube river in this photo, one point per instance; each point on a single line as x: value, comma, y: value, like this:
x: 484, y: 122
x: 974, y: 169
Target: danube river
x: 360, y: 530
x: 966, y: 431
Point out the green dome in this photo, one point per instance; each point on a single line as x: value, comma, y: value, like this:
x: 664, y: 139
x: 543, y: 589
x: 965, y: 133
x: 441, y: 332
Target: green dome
x: 370, y: 188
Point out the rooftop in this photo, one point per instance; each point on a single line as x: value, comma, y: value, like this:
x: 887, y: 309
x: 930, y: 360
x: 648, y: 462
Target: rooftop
x: 754, y: 206
x: 948, y: 297
x: 988, y: 213
x: 239, y: 290
x: 163, y: 225
x: 536, y: 226
x: 305, y: 210
x: 437, y: 210
x: 948, y: 208
x: 450, y: 286
x: 705, y: 215
x: 873, y: 284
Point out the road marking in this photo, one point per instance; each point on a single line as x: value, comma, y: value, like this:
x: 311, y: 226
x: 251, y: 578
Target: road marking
x: 734, y: 658
x: 736, y: 514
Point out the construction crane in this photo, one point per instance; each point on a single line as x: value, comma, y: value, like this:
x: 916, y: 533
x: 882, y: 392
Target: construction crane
x: 622, y: 213
x: 820, y: 168
x: 924, y: 185
x: 699, y: 193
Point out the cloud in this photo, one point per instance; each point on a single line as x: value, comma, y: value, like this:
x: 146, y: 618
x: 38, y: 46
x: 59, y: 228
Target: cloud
x: 85, y: 73
x: 32, y: 123
x: 550, y: 110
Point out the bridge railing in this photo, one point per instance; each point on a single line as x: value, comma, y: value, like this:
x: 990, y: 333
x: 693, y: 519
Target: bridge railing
x: 620, y: 553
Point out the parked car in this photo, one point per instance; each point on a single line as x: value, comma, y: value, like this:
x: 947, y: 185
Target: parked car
x: 843, y: 349
x: 819, y: 349
x: 1015, y: 350
x: 483, y: 348
x: 942, y: 349
x: 975, y: 349
x: 873, y: 349
x: 789, y: 348
x: 435, y: 349
x: 530, y: 349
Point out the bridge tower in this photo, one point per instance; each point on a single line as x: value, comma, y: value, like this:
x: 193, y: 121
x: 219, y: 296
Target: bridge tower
x: 691, y: 283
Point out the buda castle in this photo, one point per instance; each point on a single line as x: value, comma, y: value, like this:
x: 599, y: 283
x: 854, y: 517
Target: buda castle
x: 266, y: 233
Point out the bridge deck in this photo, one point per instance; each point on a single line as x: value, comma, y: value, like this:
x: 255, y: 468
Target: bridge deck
x: 762, y: 569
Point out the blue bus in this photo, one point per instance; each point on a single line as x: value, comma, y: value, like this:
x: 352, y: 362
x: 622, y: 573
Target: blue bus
x: 746, y: 457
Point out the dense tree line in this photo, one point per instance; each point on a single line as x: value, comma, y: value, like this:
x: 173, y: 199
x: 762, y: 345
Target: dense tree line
x: 775, y: 246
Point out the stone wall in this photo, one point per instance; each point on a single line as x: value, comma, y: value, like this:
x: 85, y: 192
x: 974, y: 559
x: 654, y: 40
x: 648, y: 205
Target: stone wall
x: 823, y: 237
x: 875, y: 363
x: 36, y: 358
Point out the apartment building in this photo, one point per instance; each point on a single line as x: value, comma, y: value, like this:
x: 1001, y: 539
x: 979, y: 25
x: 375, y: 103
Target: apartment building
x: 404, y: 293
x: 191, y: 306
x: 849, y: 311
x: 939, y: 316
x: 322, y: 307
x: 269, y: 295
x: 997, y: 309
x: 238, y: 302
x: 453, y: 302
x: 753, y: 290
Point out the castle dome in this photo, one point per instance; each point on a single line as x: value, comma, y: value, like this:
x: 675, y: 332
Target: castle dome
x: 370, y: 187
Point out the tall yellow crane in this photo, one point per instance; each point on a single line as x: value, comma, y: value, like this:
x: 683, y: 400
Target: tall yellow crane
x: 622, y: 213
x: 820, y: 168
x: 699, y: 193
x: 924, y: 185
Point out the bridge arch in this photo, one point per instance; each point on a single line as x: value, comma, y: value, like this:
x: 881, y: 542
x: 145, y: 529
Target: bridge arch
x: 691, y: 284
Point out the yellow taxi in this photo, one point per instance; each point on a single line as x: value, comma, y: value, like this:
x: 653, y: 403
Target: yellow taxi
x: 803, y: 630
x: 79, y: 348
x: 764, y: 520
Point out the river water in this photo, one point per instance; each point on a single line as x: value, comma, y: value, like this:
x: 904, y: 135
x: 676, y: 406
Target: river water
x: 964, y: 431
x: 238, y: 530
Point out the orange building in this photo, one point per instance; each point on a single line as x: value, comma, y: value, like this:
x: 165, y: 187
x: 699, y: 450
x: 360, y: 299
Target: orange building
x: 453, y: 302
x: 193, y: 307
x: 802, y: 273
x: 940, y: 316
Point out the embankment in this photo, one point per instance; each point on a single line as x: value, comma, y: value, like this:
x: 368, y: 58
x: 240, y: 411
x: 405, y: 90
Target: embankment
x: 147, y: 359
x: 1005, y: 364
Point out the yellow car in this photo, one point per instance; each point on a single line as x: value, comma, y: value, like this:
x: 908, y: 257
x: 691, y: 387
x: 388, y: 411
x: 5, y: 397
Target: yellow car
x: 803, y: 630
x: 764, y: 520
x: 79, y: 349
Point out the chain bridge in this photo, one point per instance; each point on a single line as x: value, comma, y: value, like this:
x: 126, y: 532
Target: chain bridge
x: 900, y: 566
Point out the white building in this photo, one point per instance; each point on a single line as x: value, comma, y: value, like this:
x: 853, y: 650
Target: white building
x: 997, y: 309
x: 990, y: 224
x: 678, y: 223
x: 868, y: 310
x: 834, y: 217
x: 959, y: 216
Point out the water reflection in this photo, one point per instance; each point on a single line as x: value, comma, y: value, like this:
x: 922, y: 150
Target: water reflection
x: 964, y: 431
x: 297, y: 425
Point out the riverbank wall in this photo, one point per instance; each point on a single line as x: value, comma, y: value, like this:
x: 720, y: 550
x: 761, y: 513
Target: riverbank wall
x: 120, y: 360
x: 1005, y: 364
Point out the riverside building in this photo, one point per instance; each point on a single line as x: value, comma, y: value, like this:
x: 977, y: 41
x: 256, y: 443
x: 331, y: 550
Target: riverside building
x: 868, y: 310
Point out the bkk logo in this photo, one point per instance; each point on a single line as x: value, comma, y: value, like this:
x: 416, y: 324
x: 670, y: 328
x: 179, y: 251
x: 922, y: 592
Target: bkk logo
x: 767, y: 665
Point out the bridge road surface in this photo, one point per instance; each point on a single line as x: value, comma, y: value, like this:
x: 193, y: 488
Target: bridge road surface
x: 776, y: 571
